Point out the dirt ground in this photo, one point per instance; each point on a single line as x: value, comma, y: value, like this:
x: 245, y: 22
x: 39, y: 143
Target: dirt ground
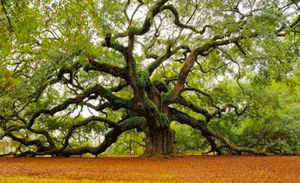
x: 186, y: 169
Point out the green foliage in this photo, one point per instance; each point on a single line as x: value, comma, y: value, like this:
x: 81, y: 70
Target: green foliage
x: 271, y: 120
x: 188, y: 139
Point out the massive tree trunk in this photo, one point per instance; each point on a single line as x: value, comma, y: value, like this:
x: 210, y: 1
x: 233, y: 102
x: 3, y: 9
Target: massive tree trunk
x: 159, y: 143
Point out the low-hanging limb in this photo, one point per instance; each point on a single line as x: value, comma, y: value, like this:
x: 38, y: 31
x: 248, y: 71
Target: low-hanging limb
x: 219, y: 110
x: 110, y: 138
x: 195, y: 108
x: 197, y: 124
x: 83, y: 123
x: 208, y: 133
x: 95, y: 90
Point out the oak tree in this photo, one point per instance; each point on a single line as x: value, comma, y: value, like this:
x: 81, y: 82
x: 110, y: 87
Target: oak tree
x: 135, y: 64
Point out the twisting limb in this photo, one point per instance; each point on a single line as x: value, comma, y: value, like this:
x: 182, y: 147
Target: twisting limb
x: 84, y: 123
x: 192, y: 58
x: 208, y: 133
x: 164, y: 57
x: 153, y: 40
x: 135, y: 11
x: 209, y: 70
x: 131, y: 66
x: 154, y: 10
x: 218, y: 112
x: 113, y: 70
x: 121, y: 86
x: 195, y: 108
x: 110, y: 138
x: 125, y: 10
x: 228, y: 106
x: 197, y: 124
x: 188, y: 65
x: 236, y: 62
x: 96, y: 90
x: 181, y: 25
x: 40, y: 146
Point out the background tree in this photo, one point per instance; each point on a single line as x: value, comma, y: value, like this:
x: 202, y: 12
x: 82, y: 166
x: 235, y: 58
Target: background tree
x: 136, y: 65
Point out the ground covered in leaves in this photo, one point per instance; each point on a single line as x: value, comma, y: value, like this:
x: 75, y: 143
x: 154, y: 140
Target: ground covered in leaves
x: 185, y: 169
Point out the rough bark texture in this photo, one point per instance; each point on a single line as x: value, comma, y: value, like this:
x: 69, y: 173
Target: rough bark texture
x: 159, y: 143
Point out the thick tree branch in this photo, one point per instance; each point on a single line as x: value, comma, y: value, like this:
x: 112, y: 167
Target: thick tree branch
x: 110, y: 138
x: 154, y: 10
x: 96, y: 90
x: 37, y: 143
x: 188, y: 64
x: 114, y: 44
x: 46, y: 134
x: 131, y: 66
x: 200, y: 125
x: 164, y: 57
x: 219, y: 111
x: 192, y: 58
x: 83, y: 123
x: 195, y: 108
x: 197, y: 124
x: 113, y: 70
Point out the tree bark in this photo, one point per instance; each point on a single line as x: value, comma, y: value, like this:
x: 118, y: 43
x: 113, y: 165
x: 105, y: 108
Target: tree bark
x: 159, y: 143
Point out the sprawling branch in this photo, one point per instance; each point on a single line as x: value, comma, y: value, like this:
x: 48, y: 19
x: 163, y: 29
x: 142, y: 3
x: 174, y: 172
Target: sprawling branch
x: 84, y: 123
x: 192, y: 58
x: 96, y: 90
x: 219, y: 111
x: 131, y: 65
x: 195, y: 108
x: 154, y: 10
x: 167, y: 55
x: 207, y: 133
x: 188, y: 64
x: 110, y: 138
x: 107, y: 68
x: 181, y: 25
x: 197, y: 124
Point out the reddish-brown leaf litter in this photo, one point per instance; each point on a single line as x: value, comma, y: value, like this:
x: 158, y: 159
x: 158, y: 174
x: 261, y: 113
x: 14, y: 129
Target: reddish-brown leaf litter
x: 185, y: 169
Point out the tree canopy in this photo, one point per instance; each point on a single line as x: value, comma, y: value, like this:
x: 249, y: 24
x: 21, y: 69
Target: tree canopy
x: 141, y: 64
